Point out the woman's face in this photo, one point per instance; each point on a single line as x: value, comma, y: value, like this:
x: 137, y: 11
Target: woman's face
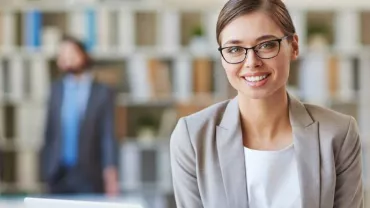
x: 255, y: 77
x: 70, y: 58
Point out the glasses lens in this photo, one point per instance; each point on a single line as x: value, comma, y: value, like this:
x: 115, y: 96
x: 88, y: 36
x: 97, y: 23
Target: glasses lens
x: 234, y: 54
x: 268, y: 49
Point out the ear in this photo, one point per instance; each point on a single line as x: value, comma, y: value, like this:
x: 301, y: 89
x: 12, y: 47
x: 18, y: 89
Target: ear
x: 295, y: 47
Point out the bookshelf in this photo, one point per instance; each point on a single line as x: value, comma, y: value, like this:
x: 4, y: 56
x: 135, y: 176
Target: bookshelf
x: 151, y: 53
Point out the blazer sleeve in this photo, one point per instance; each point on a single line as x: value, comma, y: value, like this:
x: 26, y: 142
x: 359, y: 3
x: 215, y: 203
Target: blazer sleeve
x: 349, y: 184
x: 45, y: 148
x: 109, y: 142
x: 183, y: 167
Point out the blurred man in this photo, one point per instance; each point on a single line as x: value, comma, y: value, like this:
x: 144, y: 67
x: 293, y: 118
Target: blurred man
x: 79, y: 153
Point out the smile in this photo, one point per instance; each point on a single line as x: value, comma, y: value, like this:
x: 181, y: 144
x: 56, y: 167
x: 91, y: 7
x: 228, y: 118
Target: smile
x: 256, y: 78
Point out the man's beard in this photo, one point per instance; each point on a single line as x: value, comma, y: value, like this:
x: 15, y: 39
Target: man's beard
x: 74, y: 71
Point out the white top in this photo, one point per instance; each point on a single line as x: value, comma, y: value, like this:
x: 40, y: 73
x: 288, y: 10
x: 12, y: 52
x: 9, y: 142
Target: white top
x: 272, y: 178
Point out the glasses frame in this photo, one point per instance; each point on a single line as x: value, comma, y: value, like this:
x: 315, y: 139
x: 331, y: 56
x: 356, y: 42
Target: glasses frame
x: 279, y: 40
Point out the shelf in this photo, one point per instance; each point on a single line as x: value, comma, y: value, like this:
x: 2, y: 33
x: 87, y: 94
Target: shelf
x: 145, y: 187
x: 365, y: 33
x: 154, y: 144
x: 114, y: 54
x: 125, y: 99
x: 15, y: 187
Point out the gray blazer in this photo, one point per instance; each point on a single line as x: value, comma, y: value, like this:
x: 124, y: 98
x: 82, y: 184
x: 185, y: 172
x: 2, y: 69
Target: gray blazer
x: 97, y: 143
x: 208, y: 167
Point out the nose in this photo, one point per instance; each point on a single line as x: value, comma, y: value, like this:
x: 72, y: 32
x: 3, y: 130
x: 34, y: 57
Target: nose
x: 252, y: 60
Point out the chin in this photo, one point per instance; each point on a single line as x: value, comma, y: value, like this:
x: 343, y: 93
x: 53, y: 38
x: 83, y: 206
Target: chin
x: 257, y: 94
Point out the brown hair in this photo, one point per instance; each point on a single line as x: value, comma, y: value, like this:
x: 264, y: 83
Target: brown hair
x: 236, y: 8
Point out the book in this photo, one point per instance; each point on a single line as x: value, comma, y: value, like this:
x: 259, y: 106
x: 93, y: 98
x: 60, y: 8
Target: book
x: 120, y: 121
x: 183, y: 78
x: 146, y: 29
x: 130, y: 157
x: 33, y: 29
x: 138, y: 78
x: 40, y: 79
x: 9, y: 30
x: 202, y: 76
x: 91, y: 34
x: 169, y: 38
x: 159, y: 78
x: 333, y: 76
x: 191, y: 26
x: 126, y: 32
x: 8, y: 166
x: 105, y: 30
x: 10, y: 130
x: 365, y: 29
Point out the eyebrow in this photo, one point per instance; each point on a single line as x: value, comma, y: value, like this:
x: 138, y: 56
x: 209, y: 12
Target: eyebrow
x: 266, y: 37
x: 259, y: 39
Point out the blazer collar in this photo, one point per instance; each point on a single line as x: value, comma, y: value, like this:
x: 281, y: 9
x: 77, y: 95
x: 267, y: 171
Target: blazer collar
x: 229, y: 139
x: 298, y: 114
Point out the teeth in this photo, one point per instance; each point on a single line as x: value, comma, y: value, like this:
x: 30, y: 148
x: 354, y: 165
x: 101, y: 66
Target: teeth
x: 255, y: 78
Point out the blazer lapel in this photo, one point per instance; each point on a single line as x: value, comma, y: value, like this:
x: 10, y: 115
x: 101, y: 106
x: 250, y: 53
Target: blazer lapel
x: 57, y: 108
x: 231, y: 156
x: 85, y: 120
x: 307, y: 150
x: 90, y: 105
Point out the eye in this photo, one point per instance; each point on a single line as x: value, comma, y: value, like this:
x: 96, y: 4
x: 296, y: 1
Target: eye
x: 268, y: 45
x: 234, y: 49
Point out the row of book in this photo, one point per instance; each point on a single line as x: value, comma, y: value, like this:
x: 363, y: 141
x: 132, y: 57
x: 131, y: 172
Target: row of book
x: 145, y: 79
x: 105, y: 30
x: 22, y: 125
x: 112, y: 29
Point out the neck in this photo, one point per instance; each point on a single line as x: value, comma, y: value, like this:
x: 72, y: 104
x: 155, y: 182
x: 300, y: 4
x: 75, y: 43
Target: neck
x: 265, y: 118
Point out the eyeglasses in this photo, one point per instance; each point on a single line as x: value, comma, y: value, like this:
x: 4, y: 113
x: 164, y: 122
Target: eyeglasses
x: 266, y: 50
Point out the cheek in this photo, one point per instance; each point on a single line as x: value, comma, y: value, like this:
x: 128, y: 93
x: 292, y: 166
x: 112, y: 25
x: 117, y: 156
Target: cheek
x: 232, y: 70
x: 281, y: 66
x: 79, y: 61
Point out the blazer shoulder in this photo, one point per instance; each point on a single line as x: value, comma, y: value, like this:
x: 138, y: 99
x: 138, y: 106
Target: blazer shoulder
x: 103, y: 87
x: 197, y: 122
x: 338, y: 124
x: 103, y: 91
x: 212, y: 112
x: 208, y: 117
x: 327, y: 116
x: 320, y: 113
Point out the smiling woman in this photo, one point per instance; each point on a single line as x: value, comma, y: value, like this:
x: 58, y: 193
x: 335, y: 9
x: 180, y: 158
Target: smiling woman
x: 264, y: 148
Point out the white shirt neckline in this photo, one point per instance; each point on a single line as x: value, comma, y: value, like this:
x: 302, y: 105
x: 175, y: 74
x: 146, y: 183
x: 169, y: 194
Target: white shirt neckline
x: 272, y: 178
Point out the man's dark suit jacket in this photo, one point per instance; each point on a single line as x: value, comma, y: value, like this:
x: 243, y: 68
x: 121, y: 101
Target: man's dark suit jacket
x: 97, y: 144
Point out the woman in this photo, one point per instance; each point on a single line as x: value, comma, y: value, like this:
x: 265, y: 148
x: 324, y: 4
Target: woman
x: 264, y: 148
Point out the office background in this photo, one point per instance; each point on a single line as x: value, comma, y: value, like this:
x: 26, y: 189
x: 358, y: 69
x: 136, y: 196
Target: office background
x: 161, y: 57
